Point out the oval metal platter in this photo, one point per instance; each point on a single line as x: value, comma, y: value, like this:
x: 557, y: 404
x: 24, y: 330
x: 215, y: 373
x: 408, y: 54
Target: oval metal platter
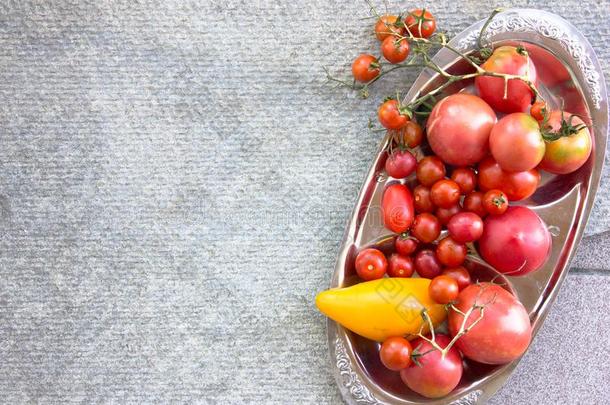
x: 571, y: 77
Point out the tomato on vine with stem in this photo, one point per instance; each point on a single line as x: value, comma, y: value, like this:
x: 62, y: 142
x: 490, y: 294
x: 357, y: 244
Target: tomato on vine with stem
x: 391, y: 115
x: 568, y: 144
x: 371, y: 264
x: 495, y: 202
x: 538, y: 110
x: 395, y: 353
x: 365, y: 68
x: 388, y: 26
x: 420, y: 23
x: 395, y: 50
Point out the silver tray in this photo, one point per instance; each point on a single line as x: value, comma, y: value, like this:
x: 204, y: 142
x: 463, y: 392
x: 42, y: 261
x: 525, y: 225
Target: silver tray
x: 570, y: 74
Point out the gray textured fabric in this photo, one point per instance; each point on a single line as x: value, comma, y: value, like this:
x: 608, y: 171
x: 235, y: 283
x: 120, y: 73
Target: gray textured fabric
x: 174, y: 182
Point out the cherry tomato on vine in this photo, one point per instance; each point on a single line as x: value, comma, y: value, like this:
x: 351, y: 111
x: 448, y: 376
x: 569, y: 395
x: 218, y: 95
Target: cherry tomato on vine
x: 400, y: 164
x: 473, y: 202
x: 538, y: 110
x: 395, y: 50
x: 466, y: 178
x: 365, y: 68
x: 400, y: 266
x: 570, y: 152
x: 421, y: 24
x: 459, y: 274
x: 430, y: 170
x: 495, y: 202
x: 426, y: 227
x: 371, y: 264
x: 465, y: 227
x: 444, y: 215
x: 387, y: 26
x: 445, y: 193
x: 426, y: 264
x: 390, y: 116
x: 405, y: 244
x: 451, y: 253
x: 395, y: 353
x: 443, y: 289
x: 422, y: 200
x: 412, y: 134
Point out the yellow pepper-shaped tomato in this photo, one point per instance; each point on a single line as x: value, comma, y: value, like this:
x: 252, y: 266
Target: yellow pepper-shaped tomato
x: 382, y: 308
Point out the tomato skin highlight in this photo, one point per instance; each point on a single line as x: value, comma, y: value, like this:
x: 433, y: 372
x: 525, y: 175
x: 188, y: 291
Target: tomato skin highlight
x: 397, y: 208
x: 395, y: 353
x: 567, y: 154
x: 362, y: 69
x: 371, y: 264
x: 516, y: 185
x: 502, y: 335
x: 516, y: 142
x: 459, y: 127
x: 507, y: 59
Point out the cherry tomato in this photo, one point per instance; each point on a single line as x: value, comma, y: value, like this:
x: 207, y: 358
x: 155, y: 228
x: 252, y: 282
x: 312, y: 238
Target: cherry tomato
x: 386, y: 27
x: 459, y: 274
x: 395, y: 50
x: 400, y: 266
x: 390, y: 116
x: 422, y: 200
x: 430, y: 170
x: 444, y: 215
x: 516, y: 185
x: 568, y: 153
x: 421, y: 24
x: 412, y: 134
x: 451, y: 253
x: 432, y: 375
x: 426, y: 264
x: 400, y: 164
x: 466, y: 178
x: 473, y: 202
x: 465, y: 227
x: 445, y: 193
x: 395, y: 353
x: 443, y: 289
x: 365, y: 68
x: 397, y: 208
x: 405, y: 244
x: 511, y: 60
x: 495, y: 202
x: 371, y: 264
x: 538, y: 110
x: 516, y: 142
x: 426, y: 227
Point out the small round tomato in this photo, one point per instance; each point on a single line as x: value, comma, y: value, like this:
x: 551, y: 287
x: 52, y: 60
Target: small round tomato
x: 400, y: 266
x: 443, y: 289
x: 444, y: 215
x: 466, y: 178
x: 390, y: 116
x: 422, y: 200
x: 495, y: 202
x: 445, y: 193
x: 371, y: 264
x: 405, y: 244
x: 465, y: 227
x: 516, y: 185
x: 538, y: 110
x: 387, y: 26
x: 365, y: 68
x: 395, y: 50
x: 412, y: 134
x: 516, y: 142
x: 397, y: 208
x: 395, y: 353
x: 400, y: 164
x: 426, y: 264
x: 473, y: 202
x: 459, y: 274
x: 426, y: 227
x: 568, y: 153
x: 420, y: 23
x: 430, y: 170
x: 451, y: 253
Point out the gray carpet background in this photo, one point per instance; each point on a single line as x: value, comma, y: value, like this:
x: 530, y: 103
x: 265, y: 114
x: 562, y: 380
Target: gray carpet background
x: 175, y: 178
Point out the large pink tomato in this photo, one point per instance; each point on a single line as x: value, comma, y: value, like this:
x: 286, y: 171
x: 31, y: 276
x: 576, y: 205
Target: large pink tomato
x: 458, y: 129
x: 518, y: 96
x: 516, y: 242
x: 503, y: 332
x: 516, y: 143
x: 570, y: 152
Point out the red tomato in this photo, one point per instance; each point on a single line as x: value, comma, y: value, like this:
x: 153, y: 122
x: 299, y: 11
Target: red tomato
x: 516, y: 142
x: 538, y: 110
x: 459, y: 127
x: 423, y: 202
x: 568, y: 153
x: 451, y: 253
x: 444, y: 215
x: 395, y: 50
x: 511, y: 60
x: 390, y: 116
x: 412, y: 134
x: 426, y: 264
x: 516, y: 242
x: 445, y: 193
x: 426, y: 227
x: 430, y: 170
x: 397, y: 208
x: 405, y: 245
x: 400, y: 164
x: 371, y: 264
x: 473, y: 202
x: 433, y: 376
x: 443, y: 289
x: 516, y: 185
x: 420, y: 24
x: 459, y: 274
x: 465, y: 227
x: 466, y: 178
x: 400, y: 266
x: 386, y: 26
x: 395, y: 353
x: 504, y: 332
x: 495, y: 202
x: 365, y: 68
